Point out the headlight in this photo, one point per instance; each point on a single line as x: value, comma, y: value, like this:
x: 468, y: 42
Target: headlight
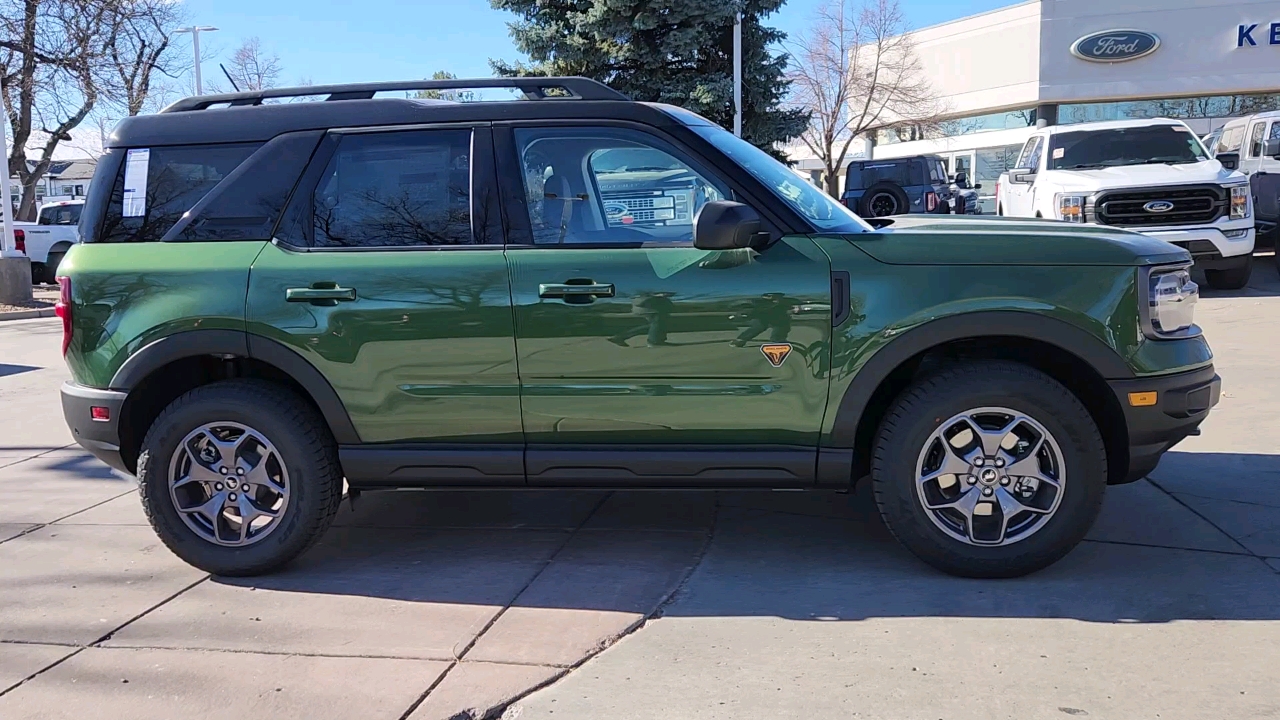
x: 1170, y: 303
x: 1071, y: 208
x: 1239, y: 202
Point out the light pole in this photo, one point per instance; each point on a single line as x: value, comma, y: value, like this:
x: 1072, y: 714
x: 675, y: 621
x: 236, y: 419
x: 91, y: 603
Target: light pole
x: 737, y: 75
x: 195, y: 31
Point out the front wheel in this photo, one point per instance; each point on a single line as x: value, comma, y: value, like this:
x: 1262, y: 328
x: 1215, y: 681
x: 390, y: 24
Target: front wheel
x: 989, y: 469
x: 239, y: 477
x: 1233, y: 278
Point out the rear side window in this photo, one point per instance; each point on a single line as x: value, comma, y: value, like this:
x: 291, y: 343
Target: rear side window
x: 395, y: 189
x: 155, y: 186
x: 898, y: 172
x: 60, y: 215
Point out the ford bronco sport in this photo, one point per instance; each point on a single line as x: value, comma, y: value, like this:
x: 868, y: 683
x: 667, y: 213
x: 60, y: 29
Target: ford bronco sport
x: 576, y: 290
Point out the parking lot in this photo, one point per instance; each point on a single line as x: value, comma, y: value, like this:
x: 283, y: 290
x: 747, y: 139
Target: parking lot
x: 643, y: 605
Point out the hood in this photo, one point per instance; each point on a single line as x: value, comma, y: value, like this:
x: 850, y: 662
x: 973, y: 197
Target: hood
x: 986, y: 240
x: 1208, y: 171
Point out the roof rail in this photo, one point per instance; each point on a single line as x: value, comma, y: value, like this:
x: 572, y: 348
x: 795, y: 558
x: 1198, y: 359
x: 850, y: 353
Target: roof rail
x: 533, y: 88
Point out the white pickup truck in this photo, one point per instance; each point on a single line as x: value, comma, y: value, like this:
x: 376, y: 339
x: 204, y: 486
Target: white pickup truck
x: 1151, y: 176
x: 49, y: 238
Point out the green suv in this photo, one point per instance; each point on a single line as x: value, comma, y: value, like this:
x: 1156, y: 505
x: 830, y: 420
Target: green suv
x: 569, y: 289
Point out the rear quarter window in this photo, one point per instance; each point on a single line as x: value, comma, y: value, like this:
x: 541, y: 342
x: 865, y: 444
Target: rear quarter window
x: 900, y: 172
x: 155, y: 186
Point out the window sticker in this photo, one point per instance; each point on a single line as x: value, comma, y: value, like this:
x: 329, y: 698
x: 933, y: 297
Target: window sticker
x: 1058, y: 153
x: 1179, y: 128
x: 135, y: 182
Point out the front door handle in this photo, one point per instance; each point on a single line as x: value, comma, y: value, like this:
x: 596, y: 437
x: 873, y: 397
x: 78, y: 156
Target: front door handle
x: 583, y: 291
x: 320, y: 295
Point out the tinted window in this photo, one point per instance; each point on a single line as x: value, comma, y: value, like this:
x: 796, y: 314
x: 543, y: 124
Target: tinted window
x: 164, y: 183
x: 396, y: 189
x: 898, y: 172
x: 938, y: 171
x: 1256, y: 134
x: 1125, y: 146
x: 609, y: 185
x: 246, y: 207
x: 60, y: 215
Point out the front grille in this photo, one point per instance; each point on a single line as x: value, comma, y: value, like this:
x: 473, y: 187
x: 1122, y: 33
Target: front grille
x: 1191, y: 206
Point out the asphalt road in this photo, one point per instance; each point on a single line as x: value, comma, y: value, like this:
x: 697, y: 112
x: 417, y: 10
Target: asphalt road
x: 705, y: 605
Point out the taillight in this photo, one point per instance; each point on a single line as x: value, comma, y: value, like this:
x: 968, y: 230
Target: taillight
x: 20, y: 240
x: 63, y: 310
x: 930, y: 201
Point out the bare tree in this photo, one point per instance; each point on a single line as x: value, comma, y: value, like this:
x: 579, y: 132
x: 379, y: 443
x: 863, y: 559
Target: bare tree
x: 856, y: 70
x: 51, y: 58
x: 142, y: 60
x: 253, y: 68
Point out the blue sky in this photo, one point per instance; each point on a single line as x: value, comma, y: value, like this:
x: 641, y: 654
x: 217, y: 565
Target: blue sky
x: 328, y: 41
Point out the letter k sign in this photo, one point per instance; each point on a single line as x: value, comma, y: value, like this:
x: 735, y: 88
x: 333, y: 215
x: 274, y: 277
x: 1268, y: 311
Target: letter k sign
x: 1244, y: 34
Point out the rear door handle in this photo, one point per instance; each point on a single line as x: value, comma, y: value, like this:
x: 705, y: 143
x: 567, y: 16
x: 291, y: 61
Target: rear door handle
x: 320, y: 295
x: 586, y: 290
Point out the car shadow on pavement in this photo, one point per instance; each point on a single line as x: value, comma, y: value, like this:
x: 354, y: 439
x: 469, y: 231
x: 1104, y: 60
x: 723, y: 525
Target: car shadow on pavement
x: 1264, y: 282
x: 1154, y: 556
x: 6, y: 369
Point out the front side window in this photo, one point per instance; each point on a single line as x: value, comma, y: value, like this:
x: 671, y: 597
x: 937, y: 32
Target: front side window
x: 601, y: 185
x: 1256, y: 134
x: 1085, y: 149
x: 395, y: 189
x: 156, y: 186
x: 1275, y: 131
x: 816, y: 206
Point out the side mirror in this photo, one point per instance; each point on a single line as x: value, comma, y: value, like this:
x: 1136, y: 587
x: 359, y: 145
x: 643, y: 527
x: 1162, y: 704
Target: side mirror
x: 962, y: 180
x: 1271, y: 148
x: 727, y: 225
x: 1229, y: 160
x: 977, y: 187
x: 1022, y: 176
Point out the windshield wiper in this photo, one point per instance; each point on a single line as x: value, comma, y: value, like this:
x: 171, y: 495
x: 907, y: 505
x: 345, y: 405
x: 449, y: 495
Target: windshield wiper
x: 1089, y: 166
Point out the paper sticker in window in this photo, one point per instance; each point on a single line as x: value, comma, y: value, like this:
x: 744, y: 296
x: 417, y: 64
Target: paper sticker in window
x: 135, y: 182
x: 1058, y: 153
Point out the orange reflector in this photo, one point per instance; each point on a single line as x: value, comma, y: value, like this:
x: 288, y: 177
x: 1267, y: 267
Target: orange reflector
x: 1143, y: 399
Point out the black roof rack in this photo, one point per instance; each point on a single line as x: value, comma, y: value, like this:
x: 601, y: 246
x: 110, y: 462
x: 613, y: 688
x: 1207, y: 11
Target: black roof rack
x: 533, y: 88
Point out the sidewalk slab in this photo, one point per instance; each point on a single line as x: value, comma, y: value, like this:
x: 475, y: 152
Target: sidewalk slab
x: 12, y: 530
x: 384, y: 593
x: 598, y: 587
x: 687, y: 511
x: 1257, y: 527
x: 76, y: 583
x: 472, y: 690
x: 1243, y: 477
x: 43, y: 489
x: 169, y: 684
x: 123, y: 510
x: 1143, y: 514
x: 19, y: 661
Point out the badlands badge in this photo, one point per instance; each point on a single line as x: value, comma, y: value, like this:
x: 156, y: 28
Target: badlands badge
x: 776, y: 353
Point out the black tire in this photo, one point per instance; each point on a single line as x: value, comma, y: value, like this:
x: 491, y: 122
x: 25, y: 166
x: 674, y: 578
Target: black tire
x: 38, y: 273
x: 305, y: 446
x: 51, y: 267
x: 1233, y: 278
x: 875, y: 201
x: 923, y: 407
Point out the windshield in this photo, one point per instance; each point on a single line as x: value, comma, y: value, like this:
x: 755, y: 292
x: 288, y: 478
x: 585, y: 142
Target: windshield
x: 822, y: 210
x: 1173, y: 144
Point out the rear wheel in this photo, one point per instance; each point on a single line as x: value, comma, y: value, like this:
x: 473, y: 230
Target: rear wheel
x: 1232, y: 278
x: 989, y: 469
x: 239, y: 477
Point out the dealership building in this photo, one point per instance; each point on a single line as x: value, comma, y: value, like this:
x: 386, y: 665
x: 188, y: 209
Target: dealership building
x: 1000, y: 74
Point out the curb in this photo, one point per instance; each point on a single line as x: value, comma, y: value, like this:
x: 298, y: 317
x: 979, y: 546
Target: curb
x: 26, y: 314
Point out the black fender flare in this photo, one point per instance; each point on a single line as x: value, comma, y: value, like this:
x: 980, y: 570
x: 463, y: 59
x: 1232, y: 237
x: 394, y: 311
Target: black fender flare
x: 234, y: 344
x: 1003, y: 323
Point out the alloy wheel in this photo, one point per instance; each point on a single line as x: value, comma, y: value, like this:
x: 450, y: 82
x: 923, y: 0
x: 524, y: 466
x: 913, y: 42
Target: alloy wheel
x: 990, y: 476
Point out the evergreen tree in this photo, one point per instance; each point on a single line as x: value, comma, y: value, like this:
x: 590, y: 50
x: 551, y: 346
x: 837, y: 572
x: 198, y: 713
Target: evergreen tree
x: 671, y: 51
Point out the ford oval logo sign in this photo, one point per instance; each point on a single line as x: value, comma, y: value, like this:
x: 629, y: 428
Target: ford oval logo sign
x: 1115, y: 46
x: 1158, y: 206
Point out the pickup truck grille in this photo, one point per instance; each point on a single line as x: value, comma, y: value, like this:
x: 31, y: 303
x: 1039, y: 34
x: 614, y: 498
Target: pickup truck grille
x: 1190, y: 206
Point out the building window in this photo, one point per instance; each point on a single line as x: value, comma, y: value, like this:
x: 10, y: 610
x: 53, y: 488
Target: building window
x: 968, y: 125
x: 1214, y: 106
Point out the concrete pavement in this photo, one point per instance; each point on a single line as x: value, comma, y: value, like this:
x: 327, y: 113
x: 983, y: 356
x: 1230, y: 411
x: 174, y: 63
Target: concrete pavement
x: 448, y: 605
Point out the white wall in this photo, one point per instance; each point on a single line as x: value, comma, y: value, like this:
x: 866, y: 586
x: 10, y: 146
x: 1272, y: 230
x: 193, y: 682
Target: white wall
x: 985, y: 62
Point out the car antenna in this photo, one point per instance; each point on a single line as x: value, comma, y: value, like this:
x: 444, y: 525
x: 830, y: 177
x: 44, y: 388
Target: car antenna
x: 229, y: 78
